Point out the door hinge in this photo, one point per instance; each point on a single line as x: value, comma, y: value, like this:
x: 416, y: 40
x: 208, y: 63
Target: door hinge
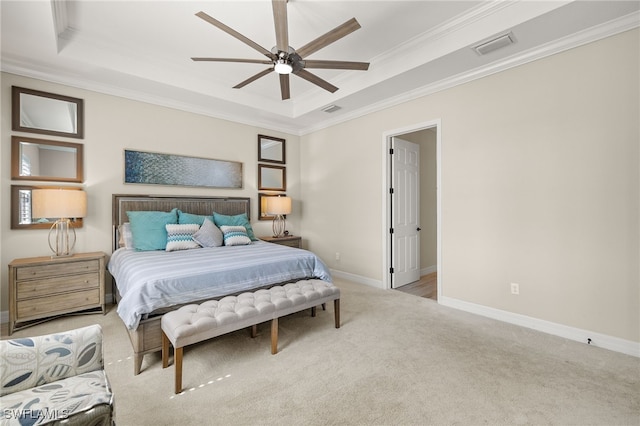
x: 390, y: 190
x: 391, y: 230
x: 391, y: 151
x: 391, y: 270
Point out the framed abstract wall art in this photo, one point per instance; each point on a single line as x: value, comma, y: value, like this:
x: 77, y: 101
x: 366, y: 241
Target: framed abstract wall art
x: 170, y: 169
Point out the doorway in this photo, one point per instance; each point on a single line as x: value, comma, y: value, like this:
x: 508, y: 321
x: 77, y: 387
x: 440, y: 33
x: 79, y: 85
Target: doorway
x: 402, y: 253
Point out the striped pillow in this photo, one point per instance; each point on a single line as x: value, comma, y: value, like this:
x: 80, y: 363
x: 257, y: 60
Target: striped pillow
x: 235, y: 235
x: 180, y: 237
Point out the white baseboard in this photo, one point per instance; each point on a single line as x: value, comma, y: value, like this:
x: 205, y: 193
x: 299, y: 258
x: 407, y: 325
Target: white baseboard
x: 429, y: 270
x: 356, y: 278
x: 616, y: 344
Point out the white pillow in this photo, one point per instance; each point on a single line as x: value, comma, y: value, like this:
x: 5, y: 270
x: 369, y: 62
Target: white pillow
x: 235, y: 235
x: 180, y: 237
x: 126, y: 237
x: 209, y: 235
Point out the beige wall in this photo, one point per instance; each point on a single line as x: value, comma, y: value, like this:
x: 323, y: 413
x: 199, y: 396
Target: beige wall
x: 113, y: 124
x: 540, y: 187
x: 540, y: 183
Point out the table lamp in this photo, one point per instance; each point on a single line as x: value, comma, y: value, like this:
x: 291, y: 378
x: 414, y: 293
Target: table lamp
x: 278, y: 206
x: 62, y: 205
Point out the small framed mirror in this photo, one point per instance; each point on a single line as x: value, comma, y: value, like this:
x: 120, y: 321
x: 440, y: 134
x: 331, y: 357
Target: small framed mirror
x: 272, y: 178
x: 271, y: 150
x: 34, y: 111
x: 262, y: 203
x: 39, y: 159
x: 21, y: 208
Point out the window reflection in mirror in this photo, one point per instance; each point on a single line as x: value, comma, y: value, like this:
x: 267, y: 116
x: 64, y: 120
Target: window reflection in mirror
x: 38, y: 159
x: 47, y: 113
x: 21, y: 209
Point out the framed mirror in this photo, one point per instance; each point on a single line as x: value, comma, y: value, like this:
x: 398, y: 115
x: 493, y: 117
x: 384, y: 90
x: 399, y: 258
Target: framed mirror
x: 262, y: 203
x: 272, y: 178
x: 271, y: 150
x: 21, y: 208
x: 39, y: 159
x: 46, y: 113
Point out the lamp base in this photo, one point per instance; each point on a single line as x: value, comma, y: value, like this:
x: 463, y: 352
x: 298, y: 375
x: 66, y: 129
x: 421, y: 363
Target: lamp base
x: 279, y: 225
x: 62, y: 238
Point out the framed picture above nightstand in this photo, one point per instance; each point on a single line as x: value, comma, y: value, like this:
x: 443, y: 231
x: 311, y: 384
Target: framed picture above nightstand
x: 290, y: 240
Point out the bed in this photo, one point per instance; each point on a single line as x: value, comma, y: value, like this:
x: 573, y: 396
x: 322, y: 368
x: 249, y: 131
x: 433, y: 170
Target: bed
x: 151, y: 283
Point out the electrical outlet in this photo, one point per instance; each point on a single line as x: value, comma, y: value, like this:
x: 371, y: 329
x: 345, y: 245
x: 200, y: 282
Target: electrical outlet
x: 515, y: 288
x: 338, y: 256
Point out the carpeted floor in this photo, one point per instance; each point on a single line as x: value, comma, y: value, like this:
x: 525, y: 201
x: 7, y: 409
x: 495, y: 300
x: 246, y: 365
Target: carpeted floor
x: 397, y: 360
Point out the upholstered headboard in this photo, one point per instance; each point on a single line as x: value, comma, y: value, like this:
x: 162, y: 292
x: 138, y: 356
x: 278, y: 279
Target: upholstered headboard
x: 122, y: 203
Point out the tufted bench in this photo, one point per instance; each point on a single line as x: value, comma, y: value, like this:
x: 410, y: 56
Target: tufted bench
x: 195, y: 323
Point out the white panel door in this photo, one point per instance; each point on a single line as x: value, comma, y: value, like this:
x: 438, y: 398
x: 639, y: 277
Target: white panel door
x: 406, y: 212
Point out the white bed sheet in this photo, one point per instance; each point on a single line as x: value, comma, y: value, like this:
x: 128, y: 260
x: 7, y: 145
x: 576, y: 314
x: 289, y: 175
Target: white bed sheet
x: 151, y: 280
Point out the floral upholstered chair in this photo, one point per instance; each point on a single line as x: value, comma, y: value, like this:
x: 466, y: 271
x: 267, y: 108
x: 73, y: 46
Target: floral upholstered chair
x: 55, y: 379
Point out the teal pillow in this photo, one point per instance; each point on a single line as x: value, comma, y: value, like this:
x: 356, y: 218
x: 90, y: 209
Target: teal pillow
x: 237, y: 220
x: 190, y: 218
x: 149, y: 228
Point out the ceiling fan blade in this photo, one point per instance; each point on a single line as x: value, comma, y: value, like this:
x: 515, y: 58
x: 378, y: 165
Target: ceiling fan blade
x: 280, y: 20
x: 284, y: 86
x: 315, y: 80
x: 253, y: 78
x: 248, y: 61
x: 234, y: 33
x: 324, y: 40
x: 337, y: 65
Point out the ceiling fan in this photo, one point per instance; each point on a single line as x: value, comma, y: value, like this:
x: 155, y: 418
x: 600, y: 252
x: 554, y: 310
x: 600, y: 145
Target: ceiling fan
x: 283, y: 59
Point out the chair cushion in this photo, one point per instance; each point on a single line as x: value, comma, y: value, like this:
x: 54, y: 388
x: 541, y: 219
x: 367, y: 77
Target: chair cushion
x: 83, y: 397
x: 33, y: 361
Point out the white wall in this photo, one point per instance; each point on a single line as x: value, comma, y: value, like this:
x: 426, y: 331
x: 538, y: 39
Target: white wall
x: 113, y: 124
x: 540, y: 186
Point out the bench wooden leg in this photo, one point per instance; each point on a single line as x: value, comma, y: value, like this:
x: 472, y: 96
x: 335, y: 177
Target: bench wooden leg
x: 177, y: 361
x: 313, y: 312
x: 336, y: 309
x: 274, y: 336
x: 324, y: 306
x: 165, y: 351
x: 254, y: 330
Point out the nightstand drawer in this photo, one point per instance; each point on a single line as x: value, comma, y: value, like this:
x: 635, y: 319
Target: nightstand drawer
x: 56, y: 285
x: 41, y: 287
x: 55, y: 269
x: 62, y: 303
x: 290, y: 241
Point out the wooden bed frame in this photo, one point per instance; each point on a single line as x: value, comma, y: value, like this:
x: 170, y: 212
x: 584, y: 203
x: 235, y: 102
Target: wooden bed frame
x: 147, y: 338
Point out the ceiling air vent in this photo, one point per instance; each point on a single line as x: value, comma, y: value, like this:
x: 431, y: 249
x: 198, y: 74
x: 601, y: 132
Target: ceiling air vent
x: 331, y: 108
x: 495, y: 44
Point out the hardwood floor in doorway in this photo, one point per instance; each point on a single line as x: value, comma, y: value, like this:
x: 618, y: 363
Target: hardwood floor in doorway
x: 426, y: 286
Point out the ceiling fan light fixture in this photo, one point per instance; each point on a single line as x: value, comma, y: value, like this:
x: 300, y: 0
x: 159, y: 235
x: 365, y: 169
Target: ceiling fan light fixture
x: 282, y: 67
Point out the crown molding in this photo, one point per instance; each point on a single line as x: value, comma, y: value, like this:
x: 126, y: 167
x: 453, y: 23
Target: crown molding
x: 285, y: 124
x: 590, y: 35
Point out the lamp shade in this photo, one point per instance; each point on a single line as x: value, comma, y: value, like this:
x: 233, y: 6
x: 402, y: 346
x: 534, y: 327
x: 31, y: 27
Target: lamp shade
x: 278, y: 205
x: 58, y: 203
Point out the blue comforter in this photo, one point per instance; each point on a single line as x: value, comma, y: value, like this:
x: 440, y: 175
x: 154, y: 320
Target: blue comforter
x: 151, y: 280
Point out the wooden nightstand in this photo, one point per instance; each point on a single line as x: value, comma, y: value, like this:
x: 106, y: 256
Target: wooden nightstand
x: 291, y: 241
x: 41, y: 288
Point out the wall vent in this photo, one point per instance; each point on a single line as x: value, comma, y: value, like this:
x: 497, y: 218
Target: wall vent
x: 331, y: 108
x: 495, y: 43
